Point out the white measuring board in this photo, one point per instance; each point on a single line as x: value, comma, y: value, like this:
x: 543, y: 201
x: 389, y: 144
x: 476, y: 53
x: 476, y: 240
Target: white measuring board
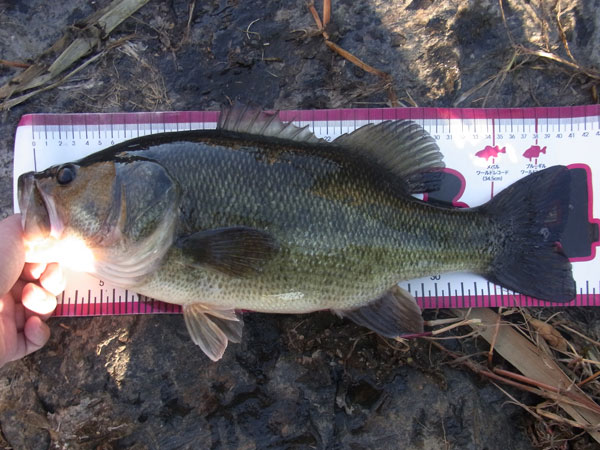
x: 485, y: 150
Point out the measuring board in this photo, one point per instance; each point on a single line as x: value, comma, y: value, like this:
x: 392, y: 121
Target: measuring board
x: 485, y: 150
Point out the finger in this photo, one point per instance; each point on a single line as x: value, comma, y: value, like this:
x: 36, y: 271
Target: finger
x: 36, y: 333
x: 20, y: 316
x: 38, y: 300
x: 12, y: 252
x: 33, y: 271
x: 17, y: 290
x: 33, y: 337
x: 8, y: 332
x: 53, y: 279
x: 27, y: 314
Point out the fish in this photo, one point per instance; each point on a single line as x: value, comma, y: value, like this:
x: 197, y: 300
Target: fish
x: 534, y: 152
x: 261, y: 215
x: 490, y: 152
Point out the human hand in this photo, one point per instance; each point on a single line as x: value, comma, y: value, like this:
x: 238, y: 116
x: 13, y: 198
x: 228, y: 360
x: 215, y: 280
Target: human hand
x: 27, y: 295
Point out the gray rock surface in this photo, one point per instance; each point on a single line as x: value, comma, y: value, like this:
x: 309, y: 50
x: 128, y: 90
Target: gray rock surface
x: 295, y: 381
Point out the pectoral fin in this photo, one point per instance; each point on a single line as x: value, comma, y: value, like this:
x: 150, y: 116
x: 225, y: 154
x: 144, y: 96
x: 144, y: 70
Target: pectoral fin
x: 236, y: 251
x: 392, y: 315
x: 211, y: 329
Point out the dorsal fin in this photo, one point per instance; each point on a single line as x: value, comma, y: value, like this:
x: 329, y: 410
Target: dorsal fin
x: 402, y: 146
x: 243, y: 119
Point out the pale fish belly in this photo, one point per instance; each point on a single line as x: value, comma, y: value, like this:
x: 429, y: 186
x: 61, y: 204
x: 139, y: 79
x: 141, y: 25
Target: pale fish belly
x: 314, y: 272
x: 307, y: 286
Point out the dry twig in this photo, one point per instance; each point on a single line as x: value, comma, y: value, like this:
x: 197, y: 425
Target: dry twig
x: 16, y: 64
x: 386, y: 77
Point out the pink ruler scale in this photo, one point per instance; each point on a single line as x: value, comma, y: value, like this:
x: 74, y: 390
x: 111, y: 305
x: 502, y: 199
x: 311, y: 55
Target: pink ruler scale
x: 485, y: 150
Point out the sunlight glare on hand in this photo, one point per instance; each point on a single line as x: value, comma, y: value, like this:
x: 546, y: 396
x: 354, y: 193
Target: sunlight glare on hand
x: 70, y: 252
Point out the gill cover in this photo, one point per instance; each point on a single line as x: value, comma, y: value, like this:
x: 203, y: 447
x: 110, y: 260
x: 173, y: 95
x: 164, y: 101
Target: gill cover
x: 143, y: 218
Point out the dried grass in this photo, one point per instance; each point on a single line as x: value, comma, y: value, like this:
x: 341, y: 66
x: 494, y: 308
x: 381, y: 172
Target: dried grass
x: 548, y: 15
x: 74, y: 47
x: 562, y: 368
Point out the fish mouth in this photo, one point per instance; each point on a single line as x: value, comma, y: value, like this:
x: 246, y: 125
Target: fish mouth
x: 24, y: 190
x: 39, y: 217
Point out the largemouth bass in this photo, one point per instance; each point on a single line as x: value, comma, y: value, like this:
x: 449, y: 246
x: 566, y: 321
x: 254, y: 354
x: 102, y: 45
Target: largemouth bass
x: 264, y: 216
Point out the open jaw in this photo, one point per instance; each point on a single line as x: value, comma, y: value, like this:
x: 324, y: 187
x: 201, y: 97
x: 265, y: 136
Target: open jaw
x: 39, y: 216
x: 43, y: 230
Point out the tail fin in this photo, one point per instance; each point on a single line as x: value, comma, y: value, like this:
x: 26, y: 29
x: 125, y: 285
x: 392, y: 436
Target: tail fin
x: 531, y: 215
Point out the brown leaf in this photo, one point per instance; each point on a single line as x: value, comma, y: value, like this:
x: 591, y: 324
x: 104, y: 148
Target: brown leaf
x: 549, y: 333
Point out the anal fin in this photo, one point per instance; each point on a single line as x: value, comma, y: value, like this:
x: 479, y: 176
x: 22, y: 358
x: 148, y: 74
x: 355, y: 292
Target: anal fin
x: 211, y: 329
x: 392, y: 315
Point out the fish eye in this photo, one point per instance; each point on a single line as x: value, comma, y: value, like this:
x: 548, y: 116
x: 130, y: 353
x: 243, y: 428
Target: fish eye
x: 66, y: 174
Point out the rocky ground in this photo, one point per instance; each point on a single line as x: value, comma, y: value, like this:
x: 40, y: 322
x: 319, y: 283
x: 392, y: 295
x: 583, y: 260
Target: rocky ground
x: 295, y: 381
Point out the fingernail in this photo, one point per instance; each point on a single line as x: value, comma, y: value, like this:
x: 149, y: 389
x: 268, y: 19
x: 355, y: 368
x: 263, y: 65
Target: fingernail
x: 53, y: 279
x: 37, y: 270
x: 38, y: 300
x: 36, y: 332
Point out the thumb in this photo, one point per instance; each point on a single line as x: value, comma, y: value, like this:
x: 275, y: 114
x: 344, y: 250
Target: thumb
x: 12, y: 252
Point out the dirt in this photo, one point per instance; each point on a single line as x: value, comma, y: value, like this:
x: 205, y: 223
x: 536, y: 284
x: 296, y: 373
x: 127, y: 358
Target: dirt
x: 311, y: 381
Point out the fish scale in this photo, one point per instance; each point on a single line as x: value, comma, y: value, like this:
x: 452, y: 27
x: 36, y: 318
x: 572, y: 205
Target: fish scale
x: 48, y: 136
x: 333, y: 254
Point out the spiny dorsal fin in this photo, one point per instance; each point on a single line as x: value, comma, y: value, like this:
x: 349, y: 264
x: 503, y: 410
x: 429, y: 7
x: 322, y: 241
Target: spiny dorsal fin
x: 402, y: 146
x: 243, y: 119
